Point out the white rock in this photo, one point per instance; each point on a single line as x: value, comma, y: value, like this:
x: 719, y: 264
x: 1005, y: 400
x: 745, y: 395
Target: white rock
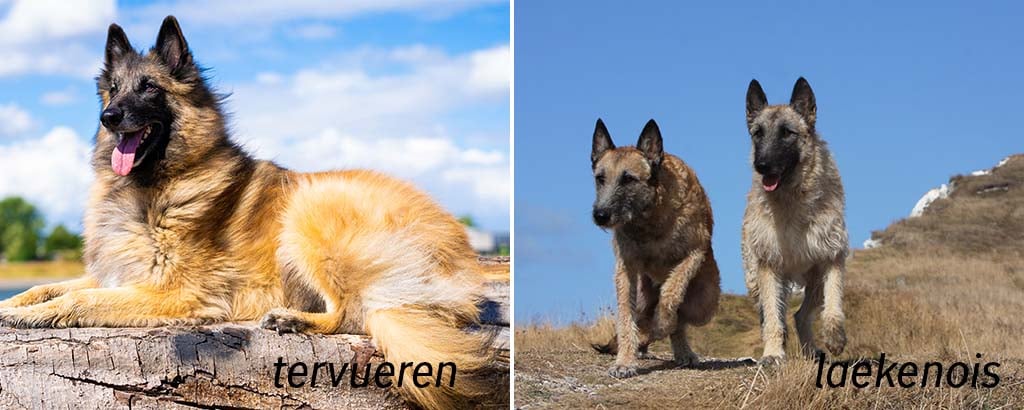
x: 928, y: 198
x: 872, y: 243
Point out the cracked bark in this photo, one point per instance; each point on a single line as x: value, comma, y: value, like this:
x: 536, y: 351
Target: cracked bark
x: 223, y: 366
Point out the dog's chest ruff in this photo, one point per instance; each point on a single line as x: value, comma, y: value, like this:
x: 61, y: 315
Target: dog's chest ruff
x: 130, y: 250
x: 791, y: 239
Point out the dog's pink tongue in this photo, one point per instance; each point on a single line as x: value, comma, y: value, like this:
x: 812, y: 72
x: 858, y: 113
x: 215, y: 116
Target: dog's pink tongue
x: 769, y: 183
x: 124, y: 155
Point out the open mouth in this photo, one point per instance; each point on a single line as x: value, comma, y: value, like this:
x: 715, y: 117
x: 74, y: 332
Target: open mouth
x: 770, y: 182
x: 127, y: 154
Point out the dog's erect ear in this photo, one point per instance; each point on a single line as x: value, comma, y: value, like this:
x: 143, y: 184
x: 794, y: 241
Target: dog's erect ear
x: 117, y: 44
x: 650, y: 143
x: 171, y: 46
x: 803, y: 101
x: 756, y: 101
x: 602, y: 142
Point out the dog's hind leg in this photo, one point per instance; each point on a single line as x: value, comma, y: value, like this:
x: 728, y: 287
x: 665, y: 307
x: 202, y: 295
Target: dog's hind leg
x: 809, y: 309
x: 681, y: 353
x: 647, y: 302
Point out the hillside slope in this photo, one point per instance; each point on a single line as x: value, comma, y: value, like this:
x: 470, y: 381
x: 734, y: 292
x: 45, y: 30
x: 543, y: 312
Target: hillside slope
x: 942, y: 286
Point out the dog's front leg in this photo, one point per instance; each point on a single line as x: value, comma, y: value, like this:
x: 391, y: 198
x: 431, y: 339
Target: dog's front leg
x: 771, y: 303
x: 673, y: 291
x: 42, y: 293
x: 832, y: 325
x: 628, y: 334
x: 115, y: 307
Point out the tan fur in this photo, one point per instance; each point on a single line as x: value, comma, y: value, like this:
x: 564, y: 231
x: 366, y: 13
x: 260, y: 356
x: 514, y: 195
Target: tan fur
x: 216, y: 236
x: 797, y: 235
x: 666, y: 276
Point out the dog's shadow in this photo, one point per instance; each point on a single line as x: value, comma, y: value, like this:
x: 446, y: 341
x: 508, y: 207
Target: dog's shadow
x: 705, y: 364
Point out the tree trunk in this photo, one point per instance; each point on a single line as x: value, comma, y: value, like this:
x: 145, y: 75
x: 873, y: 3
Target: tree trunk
x: 229, y: 365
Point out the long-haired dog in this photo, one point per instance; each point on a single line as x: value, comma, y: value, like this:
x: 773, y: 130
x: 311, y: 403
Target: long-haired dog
x: 183, y: 227
x: 794, y: 229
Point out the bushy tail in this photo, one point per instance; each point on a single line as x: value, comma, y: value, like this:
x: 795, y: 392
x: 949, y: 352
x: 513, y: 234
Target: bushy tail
x: 411, y: 334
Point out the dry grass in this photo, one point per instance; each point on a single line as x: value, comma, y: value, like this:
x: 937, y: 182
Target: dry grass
x: 41, y: 270
x: 943, y: 287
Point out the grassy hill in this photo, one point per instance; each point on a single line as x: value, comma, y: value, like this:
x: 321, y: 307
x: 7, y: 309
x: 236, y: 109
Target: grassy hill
x: 943, y: 286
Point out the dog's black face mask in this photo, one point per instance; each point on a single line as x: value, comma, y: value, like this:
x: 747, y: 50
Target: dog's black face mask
x: 139, y: 118
x: 137, y: 113
x: 779, y: 133
x: 625, y: 178
x: 776, y: 154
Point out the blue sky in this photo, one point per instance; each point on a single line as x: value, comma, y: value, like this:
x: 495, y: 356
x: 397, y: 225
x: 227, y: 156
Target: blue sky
x: 908, y: 95
x: 417, y: 88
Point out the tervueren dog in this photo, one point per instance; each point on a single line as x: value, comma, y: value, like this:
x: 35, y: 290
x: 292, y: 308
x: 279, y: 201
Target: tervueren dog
x: 183, y: 227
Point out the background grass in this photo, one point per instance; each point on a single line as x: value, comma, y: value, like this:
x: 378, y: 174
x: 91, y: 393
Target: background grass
x: 943, y: 287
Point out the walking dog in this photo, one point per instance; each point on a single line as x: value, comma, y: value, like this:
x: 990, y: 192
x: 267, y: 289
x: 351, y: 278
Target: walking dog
x: 794, y: 230
x: 666, y: 277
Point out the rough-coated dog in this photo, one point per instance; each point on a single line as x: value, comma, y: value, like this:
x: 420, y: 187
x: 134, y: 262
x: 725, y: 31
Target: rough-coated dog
x: 666, y: 277
x: 794, y: 229
x: 183, y: 227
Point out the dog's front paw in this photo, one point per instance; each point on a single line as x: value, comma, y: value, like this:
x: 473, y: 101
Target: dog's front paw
x: 622, y: 371
x: 284, y: 321
x: 811, y: 352
x: 8, y: 318
x: 665, y: 324
x: 771, y: 360
x: 835, y: 337
x: 687, y: 359
x: 21, y: 318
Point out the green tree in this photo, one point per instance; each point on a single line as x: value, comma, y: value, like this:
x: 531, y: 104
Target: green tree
x: 62, y: 244
x: 20, y: 224
x: 468, y: 221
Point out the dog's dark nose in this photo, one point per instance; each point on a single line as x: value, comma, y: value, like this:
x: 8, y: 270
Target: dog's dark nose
x: 601, y: 216
x: 111, y: 117
x: 761, y: 166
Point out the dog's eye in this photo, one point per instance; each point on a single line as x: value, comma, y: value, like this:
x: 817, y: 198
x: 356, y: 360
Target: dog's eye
x: 627, y: 178
x: 113, y: 88
x: 151, y: 87
x: 600, y: 179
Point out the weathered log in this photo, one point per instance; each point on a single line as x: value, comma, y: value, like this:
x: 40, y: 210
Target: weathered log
x: 230, y: 365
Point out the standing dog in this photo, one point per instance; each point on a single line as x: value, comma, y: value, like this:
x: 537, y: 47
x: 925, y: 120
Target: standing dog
x: 665, y: 272
x: 184, y: 228
x: 793, y: 228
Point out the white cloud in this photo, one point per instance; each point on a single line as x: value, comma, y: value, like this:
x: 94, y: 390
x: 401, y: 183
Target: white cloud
x: 490, y: 70
x: 227, y: 12
x: 315, y: 31
x: 14, y: 121
x: 43, y: 36
x: 34, y: 21
x: 58, y: 97
x: 386, y: 109
x: 421, y: 83
x: 52, y: 172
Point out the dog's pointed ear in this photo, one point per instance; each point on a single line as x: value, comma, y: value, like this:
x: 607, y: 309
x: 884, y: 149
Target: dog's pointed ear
x: 756, y: 101
x: 117, y: 45
x: 803, y: 101
x: 171, y: 46
x: 602, y: 142
x: 650, y: 143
